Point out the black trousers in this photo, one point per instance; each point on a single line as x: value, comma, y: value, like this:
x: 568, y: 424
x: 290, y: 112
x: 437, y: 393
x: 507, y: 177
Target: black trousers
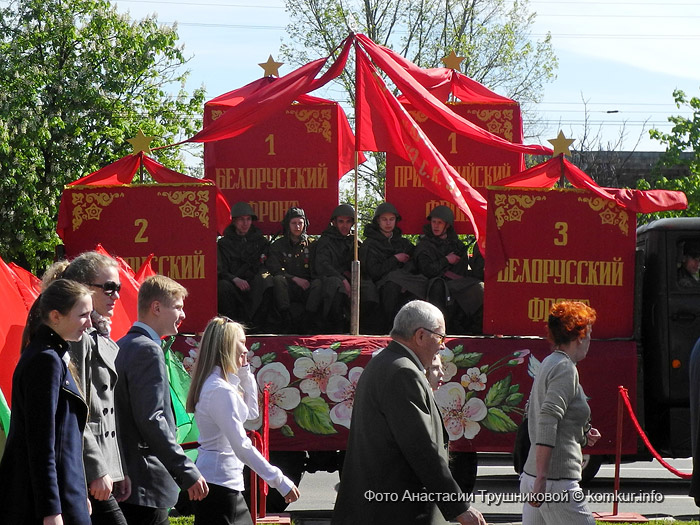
x: 106, y: 512
x: 223, y: 506
x: 139, y: 515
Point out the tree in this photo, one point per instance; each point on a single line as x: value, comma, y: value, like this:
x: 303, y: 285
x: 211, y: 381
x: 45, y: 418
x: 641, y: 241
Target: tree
x: 76, y: 80
x: 493, y: 35
x: 683, y: 138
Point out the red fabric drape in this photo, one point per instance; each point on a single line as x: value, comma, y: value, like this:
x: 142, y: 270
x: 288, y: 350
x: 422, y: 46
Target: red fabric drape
x: 426, y: 102
x: 260, y: 101
x: 547, y: 174
x: 384, y: 124
x: 249, y: 94
x: 145, y: 271
x: 122, y: 171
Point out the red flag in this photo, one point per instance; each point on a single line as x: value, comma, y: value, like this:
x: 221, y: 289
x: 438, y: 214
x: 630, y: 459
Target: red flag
x: 145, y: 271
x: 384, y: 124
x: 17, y: 298
x: 546, y: 175
x: 426, y: 102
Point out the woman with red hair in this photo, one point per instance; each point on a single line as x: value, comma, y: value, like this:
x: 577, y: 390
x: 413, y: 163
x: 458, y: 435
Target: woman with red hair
x: 559, y: 423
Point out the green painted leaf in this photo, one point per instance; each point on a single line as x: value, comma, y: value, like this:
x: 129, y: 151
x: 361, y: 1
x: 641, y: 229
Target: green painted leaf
x: 335, y: 345
x: 287, y: 431
x: 514, y: 399
x: 298, y: 351
x: 467, y: 360
x: 498, y: 421
x: 498, y: 392
x: 314, y: 415
x: 268, y: 358
x: 349, y: 355
x: 514, y: 389
x: 255, y: 346
x: 458, y: 349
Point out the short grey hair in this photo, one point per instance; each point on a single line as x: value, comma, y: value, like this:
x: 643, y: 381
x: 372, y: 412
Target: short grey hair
x: 414, y: 315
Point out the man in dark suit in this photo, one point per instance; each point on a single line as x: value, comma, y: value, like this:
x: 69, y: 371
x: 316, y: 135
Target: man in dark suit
x: 396, y: 466
x: 156, y: 464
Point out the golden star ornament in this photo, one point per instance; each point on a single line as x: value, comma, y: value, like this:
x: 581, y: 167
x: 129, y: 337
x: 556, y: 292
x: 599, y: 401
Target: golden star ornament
x: 141, y: 143
x: 271, y: 68
x: 452, y: 61
x: 561, y: 145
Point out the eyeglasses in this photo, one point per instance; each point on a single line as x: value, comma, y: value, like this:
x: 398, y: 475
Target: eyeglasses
x: 109, y: 287
x: 441, y: 337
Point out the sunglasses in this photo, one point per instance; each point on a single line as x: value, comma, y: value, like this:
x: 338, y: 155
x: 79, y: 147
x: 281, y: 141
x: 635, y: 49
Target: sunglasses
x: 109, y: 288
x: 441, y: 337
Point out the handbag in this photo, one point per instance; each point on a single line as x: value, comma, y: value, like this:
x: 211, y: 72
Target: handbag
x: 521, y: 447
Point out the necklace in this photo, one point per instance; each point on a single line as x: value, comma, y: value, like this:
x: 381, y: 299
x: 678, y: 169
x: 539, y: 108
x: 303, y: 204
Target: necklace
x: 559, y: 351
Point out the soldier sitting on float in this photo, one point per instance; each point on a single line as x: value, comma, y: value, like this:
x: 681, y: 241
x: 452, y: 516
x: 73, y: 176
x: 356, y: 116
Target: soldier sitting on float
x: 386, y: 257
x: 688, y: 276
x: 296, y: 295
x: 334, y: 254
x: 244, y: 287
x: 453, y: 286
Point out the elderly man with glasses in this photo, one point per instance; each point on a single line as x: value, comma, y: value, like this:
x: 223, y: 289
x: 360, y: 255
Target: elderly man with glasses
x: 396, y: 466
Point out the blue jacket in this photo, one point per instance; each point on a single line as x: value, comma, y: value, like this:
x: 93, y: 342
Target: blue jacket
x: 41, y: 472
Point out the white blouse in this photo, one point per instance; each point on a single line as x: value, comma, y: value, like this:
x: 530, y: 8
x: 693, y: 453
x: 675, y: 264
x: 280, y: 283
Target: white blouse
x: 223, y: 444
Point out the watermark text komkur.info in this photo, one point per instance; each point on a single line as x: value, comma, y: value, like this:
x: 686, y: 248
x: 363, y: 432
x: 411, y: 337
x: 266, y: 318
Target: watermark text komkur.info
x: 499, y: 498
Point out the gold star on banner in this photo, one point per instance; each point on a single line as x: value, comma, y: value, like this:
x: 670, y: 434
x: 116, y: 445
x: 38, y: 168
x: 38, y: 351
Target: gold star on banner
x: 141, y: 143
x: 271, y: 68
x: 561, y: 145
x: 452, y: 61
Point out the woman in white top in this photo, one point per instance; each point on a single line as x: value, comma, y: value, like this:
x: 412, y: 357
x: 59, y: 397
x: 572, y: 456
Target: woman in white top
x: 223, y: 395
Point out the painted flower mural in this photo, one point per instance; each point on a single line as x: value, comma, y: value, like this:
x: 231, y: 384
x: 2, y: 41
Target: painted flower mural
x: 317, y: 370
x: 460, y: 414
x: 342, y: 391
x: 282, y: 397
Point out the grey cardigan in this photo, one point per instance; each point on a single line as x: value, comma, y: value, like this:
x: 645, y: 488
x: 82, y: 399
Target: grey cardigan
x: 557, y: 416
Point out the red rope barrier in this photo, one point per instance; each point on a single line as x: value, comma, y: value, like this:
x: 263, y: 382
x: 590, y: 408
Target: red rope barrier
x: 625, y: 398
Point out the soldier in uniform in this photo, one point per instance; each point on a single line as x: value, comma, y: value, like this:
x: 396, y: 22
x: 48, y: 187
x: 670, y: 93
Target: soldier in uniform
x: 454, y: 286
x: 296, y: 294
x: 386, y: 257
x: 244, y: 287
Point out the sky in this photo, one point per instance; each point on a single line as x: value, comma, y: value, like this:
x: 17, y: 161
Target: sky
x: 619, y: 60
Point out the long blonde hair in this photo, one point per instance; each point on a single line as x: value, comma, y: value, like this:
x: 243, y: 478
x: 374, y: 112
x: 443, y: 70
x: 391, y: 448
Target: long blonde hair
x: 217, y: 348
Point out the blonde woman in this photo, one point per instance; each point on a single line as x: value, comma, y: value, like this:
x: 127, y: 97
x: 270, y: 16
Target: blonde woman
x: 223, y: 395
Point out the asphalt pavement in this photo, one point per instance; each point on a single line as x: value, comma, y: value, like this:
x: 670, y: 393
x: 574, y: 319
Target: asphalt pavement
x: 646, y: 489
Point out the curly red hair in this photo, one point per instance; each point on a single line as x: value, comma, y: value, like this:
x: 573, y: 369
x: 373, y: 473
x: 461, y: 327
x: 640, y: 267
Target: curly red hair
x: 568, y: 320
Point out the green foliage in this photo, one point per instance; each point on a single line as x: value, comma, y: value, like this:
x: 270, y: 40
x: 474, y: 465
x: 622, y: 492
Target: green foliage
x: 76, y: 80
x: 684, y: 136
x: 493, y: 35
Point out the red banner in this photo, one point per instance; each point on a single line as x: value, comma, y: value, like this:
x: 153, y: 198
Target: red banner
x: 557, y: 244
x: 479, y: 164
x: 175, y: 222
x: 312, y: 386
x: 289, y: 160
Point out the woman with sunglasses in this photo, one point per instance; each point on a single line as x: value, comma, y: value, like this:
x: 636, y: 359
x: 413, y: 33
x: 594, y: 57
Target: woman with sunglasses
x: 93, y: 357
x: 223, y: 395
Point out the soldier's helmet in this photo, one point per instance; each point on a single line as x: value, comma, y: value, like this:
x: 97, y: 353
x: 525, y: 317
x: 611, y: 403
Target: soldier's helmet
x: 386, y: 207
x: 343, y: 210
x: 444, y: 213
x: 243, y: 208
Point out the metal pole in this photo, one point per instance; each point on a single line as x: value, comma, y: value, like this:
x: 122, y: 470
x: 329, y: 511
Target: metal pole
x: 355, y: 269
x: 618, y: 447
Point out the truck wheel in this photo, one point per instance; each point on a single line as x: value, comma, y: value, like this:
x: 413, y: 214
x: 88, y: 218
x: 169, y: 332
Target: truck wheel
x: 590, y: 467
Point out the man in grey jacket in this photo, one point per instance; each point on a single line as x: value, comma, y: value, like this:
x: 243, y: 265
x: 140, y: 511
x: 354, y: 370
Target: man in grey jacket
x: 396, y: 466
x: 156, y: 463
